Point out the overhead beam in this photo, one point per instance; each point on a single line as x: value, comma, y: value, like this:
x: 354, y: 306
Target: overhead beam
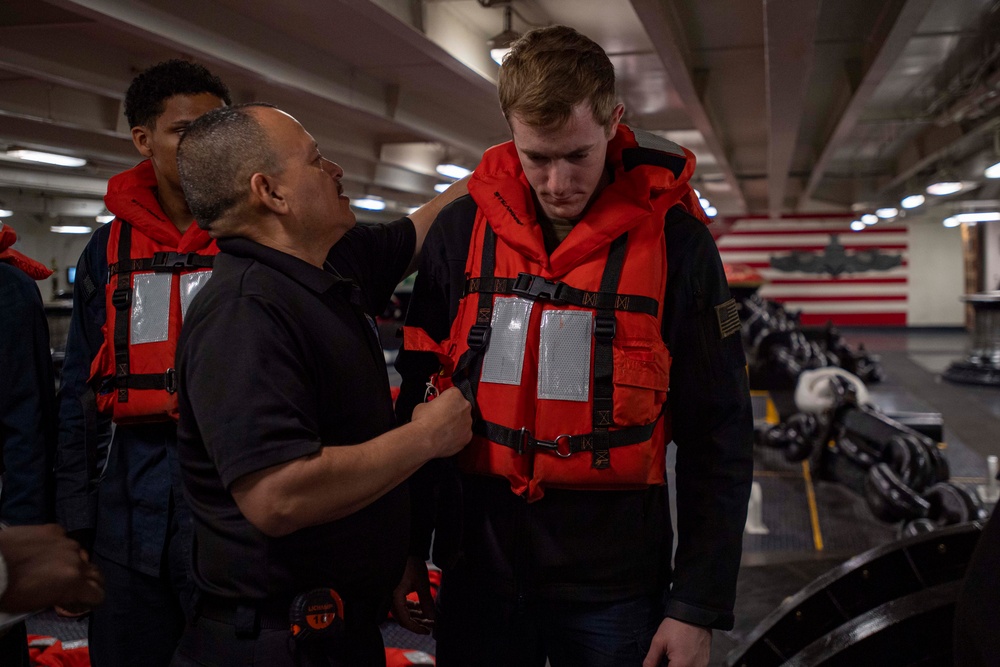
x: 245, y: 45
x: 666, y: 39
x: 789, y: 49
x: 896, y: 38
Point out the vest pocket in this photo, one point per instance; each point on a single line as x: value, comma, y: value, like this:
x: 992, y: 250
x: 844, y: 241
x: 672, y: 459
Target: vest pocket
x: 641, y: 377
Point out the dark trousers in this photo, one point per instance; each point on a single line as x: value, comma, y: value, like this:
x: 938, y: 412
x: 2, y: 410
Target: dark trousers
x: 211, y: 643
x: 477, y: 628
x: 142, y: 616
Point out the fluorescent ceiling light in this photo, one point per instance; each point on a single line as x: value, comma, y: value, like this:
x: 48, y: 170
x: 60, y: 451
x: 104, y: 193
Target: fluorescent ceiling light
x: 950, y: 222
x: 978, y: 216
x: 441, y: 187
x: 47, y: 158
x: 993, y: 171
x: 912, y: 201
x: 500, y: 45
x: 942, y: 188
x: 704, y: 202
x: 869, y: 218
x: 453, y: 171
x: 857, y: 225
x: 711, y: 211
x: 887, y: 212
x: 4, y: 213
x: 70, y: 229
x: 369, y: 204
x: 104, y: 218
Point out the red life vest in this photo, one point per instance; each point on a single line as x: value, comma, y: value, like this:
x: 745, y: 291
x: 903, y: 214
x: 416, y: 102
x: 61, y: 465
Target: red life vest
x: 563, y: 355
x: 154, y: 272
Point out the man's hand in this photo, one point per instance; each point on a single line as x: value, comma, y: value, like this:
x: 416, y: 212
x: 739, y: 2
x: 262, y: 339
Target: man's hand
x: 46, y: 568
x: 449, y: 418
x: 684, y: 645
x: 417, y: 616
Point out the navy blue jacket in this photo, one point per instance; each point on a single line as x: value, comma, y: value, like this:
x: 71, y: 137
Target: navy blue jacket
x: 27, y: 401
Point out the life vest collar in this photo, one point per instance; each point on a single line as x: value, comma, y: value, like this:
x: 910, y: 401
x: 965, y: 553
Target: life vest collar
x: 501, y: 189
x: 132, y: 198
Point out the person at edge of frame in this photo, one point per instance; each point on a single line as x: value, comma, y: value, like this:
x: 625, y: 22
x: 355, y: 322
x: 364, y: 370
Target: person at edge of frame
x: 574, y: 285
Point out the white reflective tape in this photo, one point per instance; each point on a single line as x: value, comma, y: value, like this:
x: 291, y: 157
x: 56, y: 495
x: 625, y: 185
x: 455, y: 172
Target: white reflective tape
x: 191, y: 284
x: 509, y: 331
x: 564, y: 355
x: 150, y: 308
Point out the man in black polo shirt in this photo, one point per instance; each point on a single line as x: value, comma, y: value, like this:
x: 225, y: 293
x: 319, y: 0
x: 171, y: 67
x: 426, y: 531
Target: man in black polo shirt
x: 291, y: 464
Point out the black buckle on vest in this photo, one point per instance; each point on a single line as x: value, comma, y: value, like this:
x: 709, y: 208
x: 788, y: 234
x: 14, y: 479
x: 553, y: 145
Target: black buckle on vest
x: 170, y: 381
x: 536, y: 287
x: 172, y: 260
x: 604, y: 327
x: 121, y: 297
x: 479, y: 335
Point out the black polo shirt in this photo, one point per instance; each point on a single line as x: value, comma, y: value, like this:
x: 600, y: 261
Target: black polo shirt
x: 278, y: 359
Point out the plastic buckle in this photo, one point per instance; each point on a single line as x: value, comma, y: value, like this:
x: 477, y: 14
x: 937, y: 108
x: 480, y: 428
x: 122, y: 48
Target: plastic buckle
x: 479, y: 335
x: 160, y: 260
x: 553, y: 445
x: 536, y: 287
x: 121, y: 298
x: 604, y: 327
x: 523, y: 440
x: 170, y: 381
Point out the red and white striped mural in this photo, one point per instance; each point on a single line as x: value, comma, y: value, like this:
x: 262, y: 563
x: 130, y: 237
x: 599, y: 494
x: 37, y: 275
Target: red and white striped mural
x: 823, y: 269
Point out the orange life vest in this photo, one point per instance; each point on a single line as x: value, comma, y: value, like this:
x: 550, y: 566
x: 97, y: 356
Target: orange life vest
x: 563, y: 355
x: 154, y: 272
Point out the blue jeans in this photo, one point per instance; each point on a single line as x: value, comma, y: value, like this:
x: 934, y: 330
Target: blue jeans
x: 476, y: 628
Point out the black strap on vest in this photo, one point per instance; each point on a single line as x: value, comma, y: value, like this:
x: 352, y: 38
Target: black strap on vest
x: 521, y: 440
x: 537, y: 287
x: 604, y: 359
x: 606, y: 302
x: 162, y: 261
x: 470, y: 364
x: 121, y: 299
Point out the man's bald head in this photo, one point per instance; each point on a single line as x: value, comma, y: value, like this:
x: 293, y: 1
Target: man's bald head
x: 219, y: 153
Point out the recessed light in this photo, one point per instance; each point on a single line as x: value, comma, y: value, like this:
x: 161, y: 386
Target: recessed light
x: 857, y: 225
x: 46, y: 158
x: 369, y: 204
x: 453, y: 171
x: 912, y: 201
x: 942, y: 188
x: 70, y: 229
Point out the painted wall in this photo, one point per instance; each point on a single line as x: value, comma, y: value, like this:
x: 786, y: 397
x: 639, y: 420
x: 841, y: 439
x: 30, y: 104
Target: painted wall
x: 895, y: 273
x: 936, y: 275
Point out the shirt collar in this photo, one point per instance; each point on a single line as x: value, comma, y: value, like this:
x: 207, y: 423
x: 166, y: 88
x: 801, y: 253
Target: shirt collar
x: 316, y: 279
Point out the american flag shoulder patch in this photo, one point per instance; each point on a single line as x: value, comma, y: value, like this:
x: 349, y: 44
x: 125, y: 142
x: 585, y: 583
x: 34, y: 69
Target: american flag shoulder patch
x: 728, y: 314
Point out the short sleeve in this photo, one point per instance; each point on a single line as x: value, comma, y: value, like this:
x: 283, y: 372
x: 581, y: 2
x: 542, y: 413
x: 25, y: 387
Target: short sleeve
x: 376, y: 258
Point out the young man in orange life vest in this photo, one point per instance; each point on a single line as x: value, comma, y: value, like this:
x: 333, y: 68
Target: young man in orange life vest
x: 135, y: 279
x: 564, y: 296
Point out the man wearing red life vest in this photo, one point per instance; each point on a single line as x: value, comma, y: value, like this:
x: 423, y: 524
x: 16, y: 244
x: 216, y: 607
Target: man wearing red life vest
x: 564, y: 297
x: 134, y: 283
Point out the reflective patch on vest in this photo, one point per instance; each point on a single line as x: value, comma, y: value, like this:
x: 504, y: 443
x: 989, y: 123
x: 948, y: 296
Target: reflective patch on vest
x: 657, y: 143
x: 564, y: 355
x: 191, y: 284
x: 509, y: 331
x: 150, y: 308
x: 728, y: 314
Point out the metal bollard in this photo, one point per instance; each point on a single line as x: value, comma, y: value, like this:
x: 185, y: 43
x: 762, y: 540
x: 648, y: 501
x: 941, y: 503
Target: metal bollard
x: 755, y: 512
x: 990, y: 491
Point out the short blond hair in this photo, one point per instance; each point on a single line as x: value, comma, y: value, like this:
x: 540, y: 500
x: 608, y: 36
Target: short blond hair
x: 549, y: 71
